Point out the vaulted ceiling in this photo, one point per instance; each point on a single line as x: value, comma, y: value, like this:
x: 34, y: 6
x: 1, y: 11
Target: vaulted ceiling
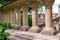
x: 4, y: 2
x: 13, y: 3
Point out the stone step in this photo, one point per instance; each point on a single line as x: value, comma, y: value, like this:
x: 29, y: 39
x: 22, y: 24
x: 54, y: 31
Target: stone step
x: 32, y: 36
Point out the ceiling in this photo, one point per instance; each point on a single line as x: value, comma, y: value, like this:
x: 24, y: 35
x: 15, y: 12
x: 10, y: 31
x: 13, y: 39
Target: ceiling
x: 15, y: 3
x: 4, y: 2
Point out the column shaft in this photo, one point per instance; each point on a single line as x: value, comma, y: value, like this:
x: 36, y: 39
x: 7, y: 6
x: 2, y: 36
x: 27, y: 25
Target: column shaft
x: 57, y: 25
x: 1, y: 16
x: 34, y: 17
x: 25, y: 18
x: 35, y: 27
x: 14, y: 17
x: 11, y: 16
x: 17, y: 16
x: 48, y: 17
x: 49, y: 30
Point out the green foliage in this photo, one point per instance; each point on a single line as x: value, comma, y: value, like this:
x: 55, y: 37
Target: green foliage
x: 3, y: 25
x: 9, y: 25
x: 30, y: 20
x: 30, y: 10
x: 6, y: 34
x: 3, y: 2
x: 3, y: 34
x: 6, y: 24
x: 41, y: 4
x: 21, y: 19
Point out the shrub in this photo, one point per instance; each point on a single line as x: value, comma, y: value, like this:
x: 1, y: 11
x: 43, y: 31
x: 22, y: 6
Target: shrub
x: 4, y: 25
x: 30, y: 20
x: 9, y: 25
x: 3, y: 34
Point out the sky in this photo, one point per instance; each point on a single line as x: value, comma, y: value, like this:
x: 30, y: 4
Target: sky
x: 55, y: 6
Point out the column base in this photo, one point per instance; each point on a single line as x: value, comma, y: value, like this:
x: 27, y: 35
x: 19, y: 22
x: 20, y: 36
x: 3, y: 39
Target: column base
x: 34, y: 29
x: 17, y: 27
x: 24, y: 28
x: 49, y: 31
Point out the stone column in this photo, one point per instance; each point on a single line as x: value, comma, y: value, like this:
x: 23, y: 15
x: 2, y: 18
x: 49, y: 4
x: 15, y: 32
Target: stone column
x: 25, y: 18
x: 11, y: 16
x: 59, y: 10
x: 49, y: 30
x: 1, y: 16
x: 57, y: 25
x: 7, y: 16
x: 17, y: 16
x: 59, y: 13
x: 34, y: 27
x: 14, y: 17
x: 4, y: 17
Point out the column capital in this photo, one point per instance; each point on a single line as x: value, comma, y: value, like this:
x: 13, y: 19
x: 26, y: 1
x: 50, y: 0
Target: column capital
x: 25, y: 6
x: 16, y: 9
x: 49, y: 3
x: 11, y: 10
x: 35, y: 5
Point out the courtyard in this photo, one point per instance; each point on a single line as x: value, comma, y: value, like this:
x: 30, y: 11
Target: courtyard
x: 29, y: 20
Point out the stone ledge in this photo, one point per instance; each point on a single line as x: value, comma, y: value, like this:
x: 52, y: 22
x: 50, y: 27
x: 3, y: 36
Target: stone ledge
x: 32, y: 36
